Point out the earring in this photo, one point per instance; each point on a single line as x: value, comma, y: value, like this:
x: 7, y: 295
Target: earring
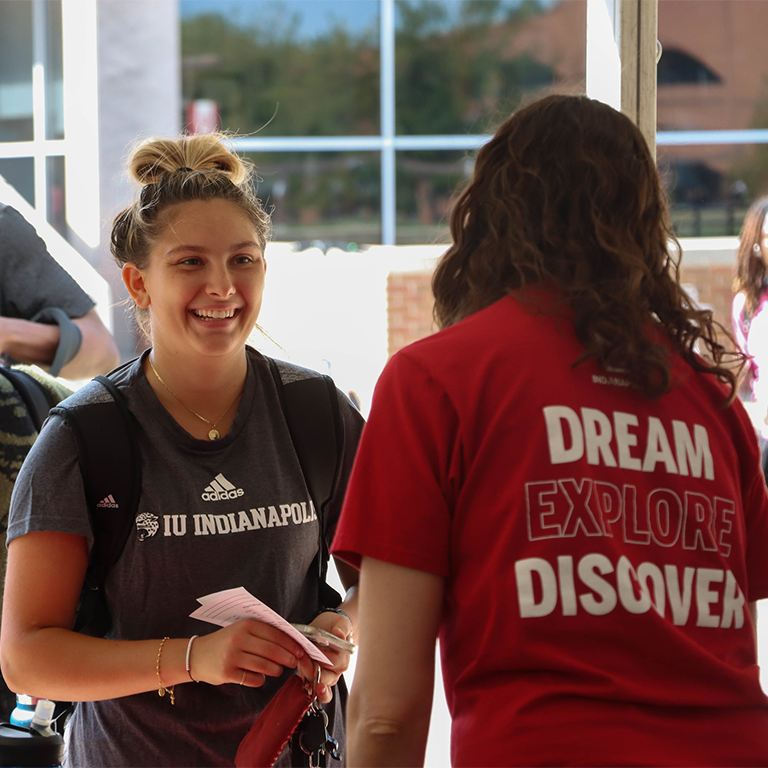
x: 756, y: 248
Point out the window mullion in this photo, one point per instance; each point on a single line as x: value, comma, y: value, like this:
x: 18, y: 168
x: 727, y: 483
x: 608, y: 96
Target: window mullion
x: 38, y: 106
x: 388, y: 170
x: 639, y: 31
x: 621, y: 59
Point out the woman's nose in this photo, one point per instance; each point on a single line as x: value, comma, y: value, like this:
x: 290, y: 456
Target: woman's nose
x: 220, y: 283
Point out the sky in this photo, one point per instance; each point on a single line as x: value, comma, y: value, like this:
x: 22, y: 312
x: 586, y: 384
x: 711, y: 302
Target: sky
x: 315, y: 16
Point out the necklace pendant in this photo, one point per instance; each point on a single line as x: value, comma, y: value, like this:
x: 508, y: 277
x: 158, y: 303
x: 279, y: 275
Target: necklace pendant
x: 214, y: 434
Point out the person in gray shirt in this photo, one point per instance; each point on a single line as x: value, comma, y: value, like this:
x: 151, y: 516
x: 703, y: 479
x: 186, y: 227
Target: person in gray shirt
x: 47, y: 320
x: 223, y: 504
x: 32, y: 284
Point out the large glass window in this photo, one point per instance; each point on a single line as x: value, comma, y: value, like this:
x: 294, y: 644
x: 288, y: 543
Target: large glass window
x: 459, y: 66
x: 32, y: 102
x: 19, y: 173
x: 712, y: 111
x: 333, y: 197
x: 55, y: 182
x: 16, y: 72
x: 404, y: 90
x: 292, y: 68
x: 54, y: 75
x: 426, y: 182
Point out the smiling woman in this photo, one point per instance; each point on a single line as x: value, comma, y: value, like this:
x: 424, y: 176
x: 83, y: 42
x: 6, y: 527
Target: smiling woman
x: 202, y: 288
x: 191, y: 251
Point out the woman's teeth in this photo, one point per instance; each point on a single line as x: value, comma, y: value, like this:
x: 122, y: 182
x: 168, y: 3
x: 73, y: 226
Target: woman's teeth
x: 215, y: 314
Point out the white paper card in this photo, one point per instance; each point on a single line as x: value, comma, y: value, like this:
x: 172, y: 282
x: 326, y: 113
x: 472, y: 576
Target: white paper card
x: 231, y: 605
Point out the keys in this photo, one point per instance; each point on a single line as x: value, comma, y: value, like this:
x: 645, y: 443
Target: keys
x: 314, y: 738
x: 314, y: 734
x: 332, y: 748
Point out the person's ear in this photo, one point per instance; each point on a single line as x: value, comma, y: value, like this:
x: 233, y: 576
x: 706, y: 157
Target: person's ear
x: 133, y: 278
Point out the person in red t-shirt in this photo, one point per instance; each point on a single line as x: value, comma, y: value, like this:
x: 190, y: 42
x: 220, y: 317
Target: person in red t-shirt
x: 560, y: 484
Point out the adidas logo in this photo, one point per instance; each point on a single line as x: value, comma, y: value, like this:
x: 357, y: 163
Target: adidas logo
x: 221, y: 489
x: 108, y: 502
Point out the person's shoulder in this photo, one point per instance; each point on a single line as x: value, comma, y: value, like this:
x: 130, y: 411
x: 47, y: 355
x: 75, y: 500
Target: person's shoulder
x: 95, y: 392
x: 463, y: 335
x: 762, y: 302
x: 13, y: 224
x: 289, y: 372
x: 8, y: 212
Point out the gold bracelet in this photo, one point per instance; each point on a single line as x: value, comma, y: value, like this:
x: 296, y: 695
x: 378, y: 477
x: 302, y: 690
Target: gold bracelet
x: 162, y: 689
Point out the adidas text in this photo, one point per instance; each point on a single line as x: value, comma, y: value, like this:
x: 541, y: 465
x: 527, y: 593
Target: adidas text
x: 220, y: 489
x: 108, y: 502
x: 221, y: 495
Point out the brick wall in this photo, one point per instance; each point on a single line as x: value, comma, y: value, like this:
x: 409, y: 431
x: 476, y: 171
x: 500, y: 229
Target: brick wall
x: 714, y: 286
x: 409, y: 308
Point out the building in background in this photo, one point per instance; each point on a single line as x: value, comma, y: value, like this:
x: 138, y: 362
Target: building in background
x: 362, y: 124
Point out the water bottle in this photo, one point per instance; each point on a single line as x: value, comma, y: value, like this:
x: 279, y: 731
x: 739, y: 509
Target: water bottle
x: 41, y: 720
x: 35, y: 744
x: 25, y: 710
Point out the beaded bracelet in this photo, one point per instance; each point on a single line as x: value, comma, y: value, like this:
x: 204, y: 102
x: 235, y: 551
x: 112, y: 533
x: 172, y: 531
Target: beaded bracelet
x: 162, y: 689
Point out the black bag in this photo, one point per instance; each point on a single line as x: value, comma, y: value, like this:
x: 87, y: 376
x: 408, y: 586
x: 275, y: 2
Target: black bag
x: 37, y: 398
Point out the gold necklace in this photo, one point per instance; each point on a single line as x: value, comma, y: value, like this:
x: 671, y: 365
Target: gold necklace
x: 213, y: 433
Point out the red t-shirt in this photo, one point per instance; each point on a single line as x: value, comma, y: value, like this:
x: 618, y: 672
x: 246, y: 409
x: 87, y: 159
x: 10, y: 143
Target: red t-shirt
x: 599, y: 548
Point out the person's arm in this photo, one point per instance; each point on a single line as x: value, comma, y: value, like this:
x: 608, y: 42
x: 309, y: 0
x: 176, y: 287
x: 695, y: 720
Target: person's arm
x: 36, y: 343
x: 391, y: 700
x: 42, y: 657
x: 350, y: 578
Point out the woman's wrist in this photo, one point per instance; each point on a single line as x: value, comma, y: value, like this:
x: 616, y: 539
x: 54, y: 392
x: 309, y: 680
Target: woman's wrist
x: 332, y: 610
x: 188, y: 660
x: 173, y: 662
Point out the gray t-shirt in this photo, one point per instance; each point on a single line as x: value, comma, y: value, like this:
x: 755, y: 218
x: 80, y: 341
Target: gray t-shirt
x: 189, y: 542
x: 30, y: 278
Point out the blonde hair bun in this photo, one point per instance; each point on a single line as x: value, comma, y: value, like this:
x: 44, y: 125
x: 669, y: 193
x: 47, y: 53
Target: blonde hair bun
x: 153, y: 157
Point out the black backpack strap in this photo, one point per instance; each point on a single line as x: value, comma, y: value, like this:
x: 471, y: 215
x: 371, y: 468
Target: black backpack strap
x: 311, y: 410
x: 105, y: 432
x: 36, y: 398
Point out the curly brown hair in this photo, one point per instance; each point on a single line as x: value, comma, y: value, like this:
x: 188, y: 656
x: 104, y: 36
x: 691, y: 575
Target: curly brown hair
x: 751, y: 274
x: 566, y: 195
x: 171, y: 171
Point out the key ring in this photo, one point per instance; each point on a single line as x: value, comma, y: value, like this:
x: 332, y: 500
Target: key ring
x: 310, y: 686
x: 315, y: 683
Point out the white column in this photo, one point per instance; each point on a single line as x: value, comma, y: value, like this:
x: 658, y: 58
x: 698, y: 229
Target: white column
x: 139, y: 81
x: 621, y: 59
x: 603, y: 53
x: 81, y: 123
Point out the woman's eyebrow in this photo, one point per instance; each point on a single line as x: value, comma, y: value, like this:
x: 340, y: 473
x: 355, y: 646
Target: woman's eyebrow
x: 201, y: 248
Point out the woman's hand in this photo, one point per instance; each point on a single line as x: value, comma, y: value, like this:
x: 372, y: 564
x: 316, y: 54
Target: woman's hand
x: 337, y: 625
x: 245, y: 653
